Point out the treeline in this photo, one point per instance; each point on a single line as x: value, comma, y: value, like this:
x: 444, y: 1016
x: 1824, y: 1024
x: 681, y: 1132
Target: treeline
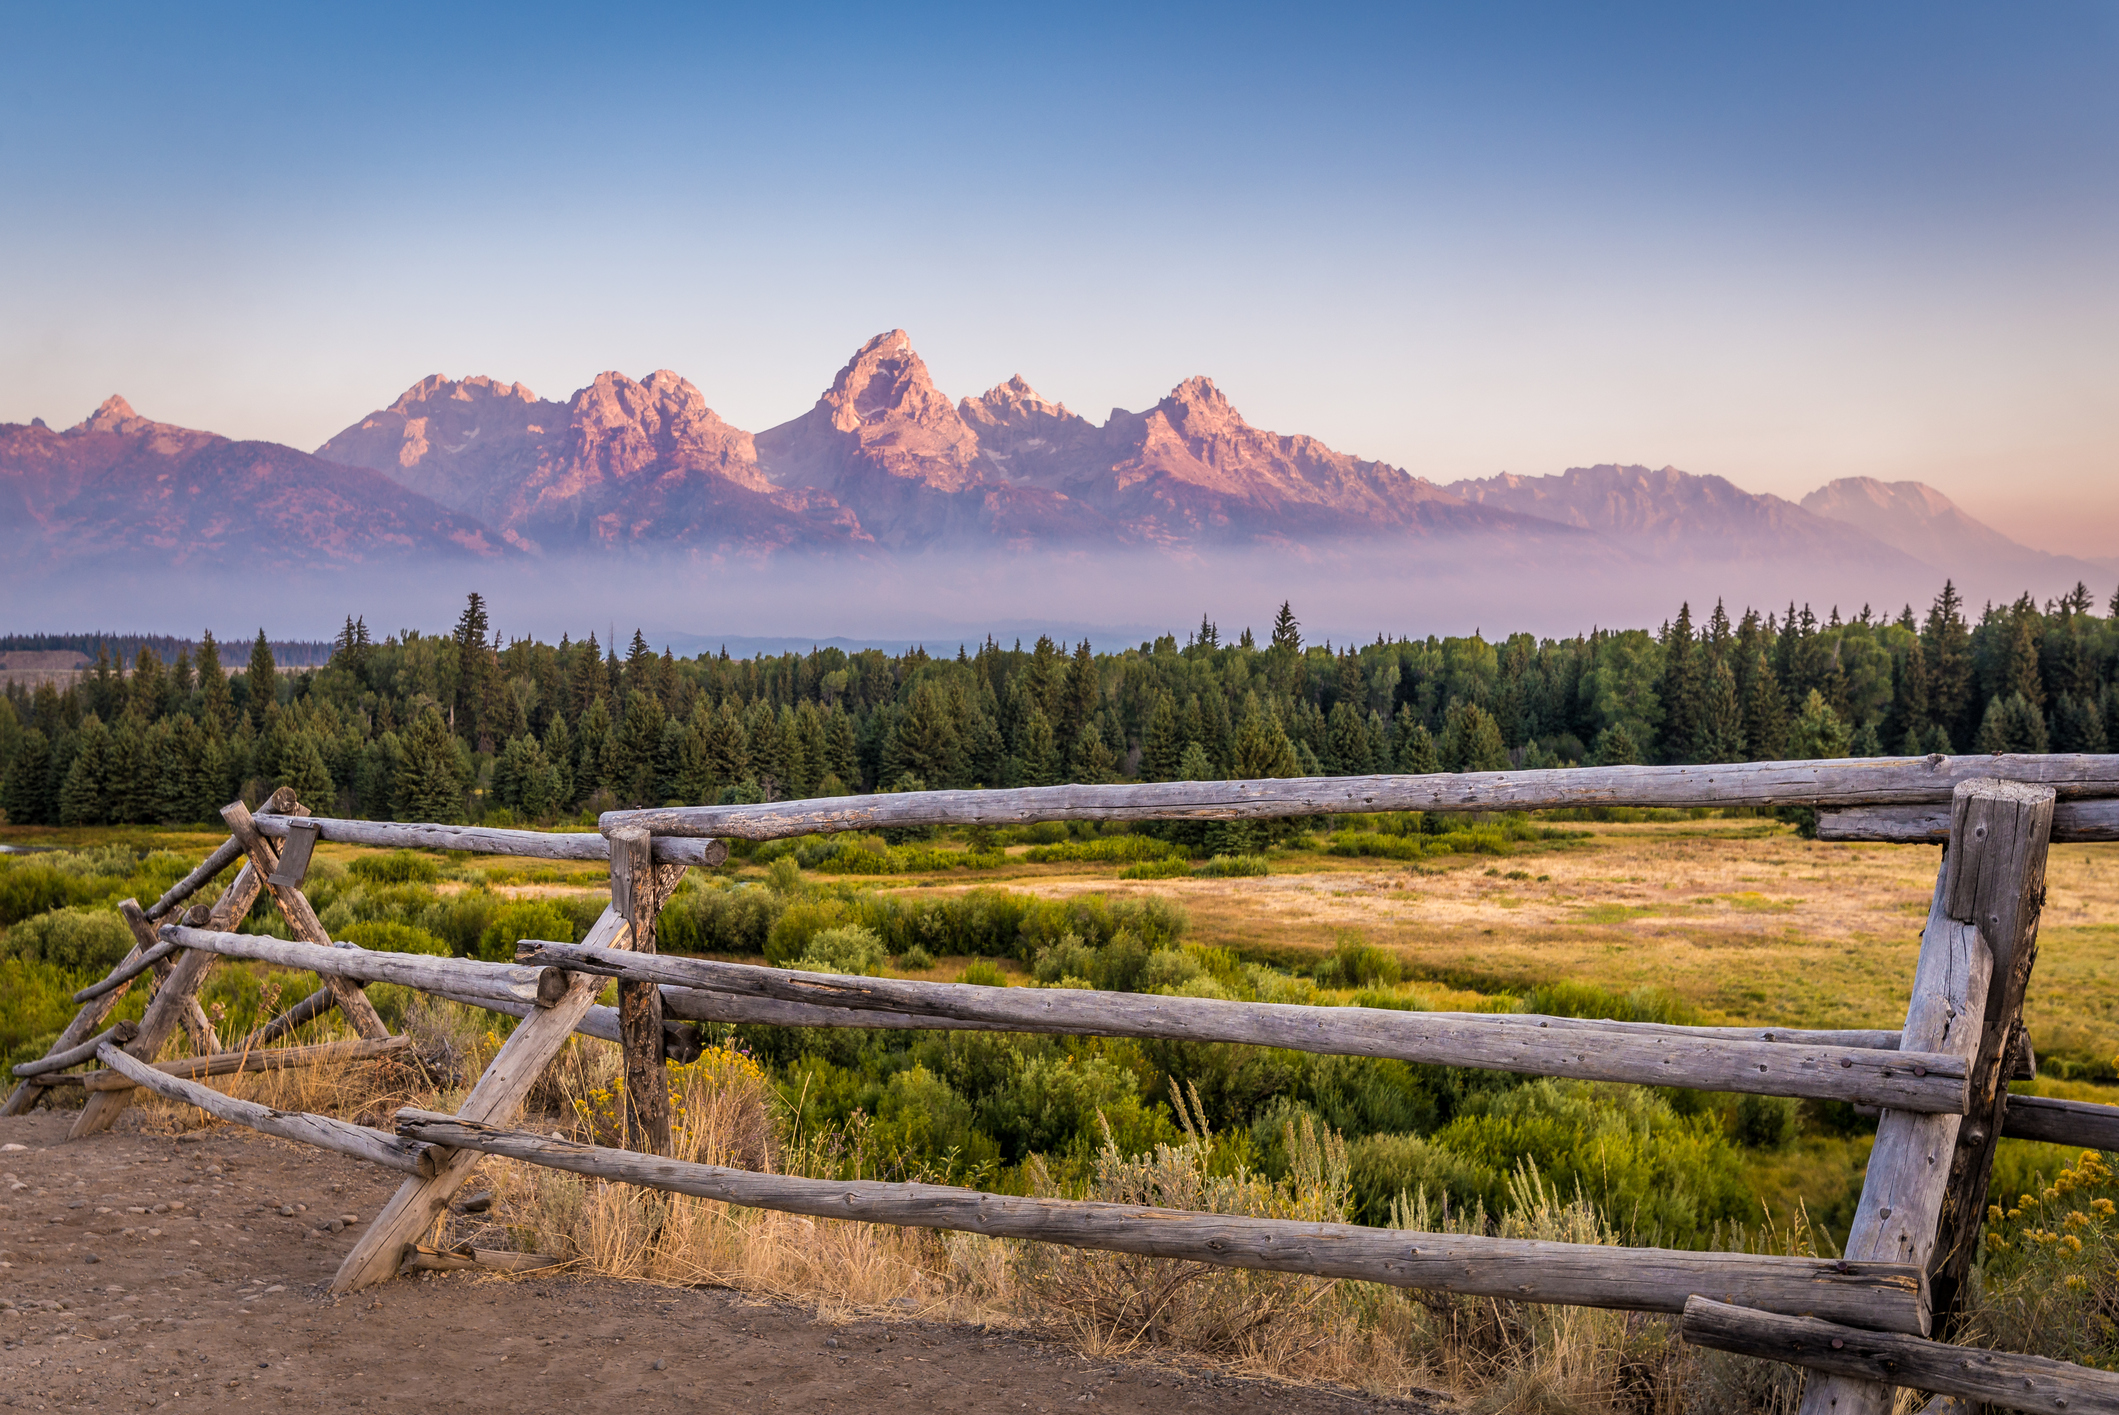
x: 124, y: 648
x: 457, y: 726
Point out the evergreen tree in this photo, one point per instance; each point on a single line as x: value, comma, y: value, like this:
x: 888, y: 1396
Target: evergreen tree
x: 263, y: 682
x: 25, y: 794
x: 1164, y: 746
x: 1093, y: 762
x: 1471, y: 740
x: 1909, y: 696
x: 2011, y: 724
x: 1718, y: 731
x: 1680, y: 690
x: 1037, y: 759
x: 591, y: 738
x: 84, y: 795
x: 1818, y: 733
x: 558, y: 747
x: 430, y: 782
x: 1416, y: 746
x: 1261, y: 748
x: 2020, y: 675
x: 1193, y: 764
x: 1287, y: 631
x: 1947, y: 644
x: 1078, y: 703
x: 924, y: 742
x: 1765, y: 713
x: 2078, y: 725
x: 1347, y: 739
x: 1615, y: 746
x: 634, y: 749
x: 467, y: 706
x: 149, y: 689
x: 842, y: 756
x: 302, y: 769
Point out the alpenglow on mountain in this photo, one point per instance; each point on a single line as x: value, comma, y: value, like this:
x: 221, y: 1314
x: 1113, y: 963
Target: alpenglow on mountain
x: 477, y: 469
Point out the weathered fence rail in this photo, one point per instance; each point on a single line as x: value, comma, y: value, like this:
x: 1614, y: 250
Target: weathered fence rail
x: 1940, y: 1080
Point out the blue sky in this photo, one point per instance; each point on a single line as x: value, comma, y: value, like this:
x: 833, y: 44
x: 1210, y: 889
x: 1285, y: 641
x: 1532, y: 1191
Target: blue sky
x: 1782, y: 243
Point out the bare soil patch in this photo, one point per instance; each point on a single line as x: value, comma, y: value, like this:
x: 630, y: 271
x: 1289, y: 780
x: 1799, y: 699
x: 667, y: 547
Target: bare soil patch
x: 188, y: 1286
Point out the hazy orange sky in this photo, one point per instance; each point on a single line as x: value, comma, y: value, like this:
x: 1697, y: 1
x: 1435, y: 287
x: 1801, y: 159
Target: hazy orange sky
x: 1781, y: 243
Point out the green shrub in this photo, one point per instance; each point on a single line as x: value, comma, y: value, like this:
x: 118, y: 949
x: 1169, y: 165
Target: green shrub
x: 916, y: 960
x: 718, y: 918
x: 1389, y: 847
x: 983, y: 973
x: 461, y: 920
x: 1383, y: 1169
x: 1108, y: 849
x: 1356, y: 963
x: 1571, y: 999
x: 29, y: 889
x: 1172, y: 867
x: 386, y: 937
x: 1233, y: 866
x: 848, y: 949
x: 397, y: 867
x: 521, y: 919
x: 1766, y: 1122
x: 797, y: 924
x: 81, y: 940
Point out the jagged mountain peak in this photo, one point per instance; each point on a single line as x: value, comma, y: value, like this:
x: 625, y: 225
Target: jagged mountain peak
x: 881, y: 417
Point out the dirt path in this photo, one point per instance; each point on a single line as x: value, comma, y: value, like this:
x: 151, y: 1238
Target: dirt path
x: 140, y: 1271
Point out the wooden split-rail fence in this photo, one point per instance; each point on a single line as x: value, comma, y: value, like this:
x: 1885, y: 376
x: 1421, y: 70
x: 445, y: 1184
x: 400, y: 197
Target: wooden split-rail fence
x: 1862, y: 1324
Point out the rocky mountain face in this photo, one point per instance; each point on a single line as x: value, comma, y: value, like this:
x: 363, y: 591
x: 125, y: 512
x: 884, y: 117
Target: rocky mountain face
x: 119, y: 487
x: 885, y: 461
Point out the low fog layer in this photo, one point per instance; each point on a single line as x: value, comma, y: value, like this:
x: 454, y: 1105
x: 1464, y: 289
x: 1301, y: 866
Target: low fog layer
x: 1347, y: 594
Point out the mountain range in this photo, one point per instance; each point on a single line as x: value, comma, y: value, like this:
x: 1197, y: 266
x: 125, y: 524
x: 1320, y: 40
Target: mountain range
x: 885, y: 463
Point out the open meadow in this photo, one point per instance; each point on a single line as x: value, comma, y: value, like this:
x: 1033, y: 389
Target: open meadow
x: 1683, y: 917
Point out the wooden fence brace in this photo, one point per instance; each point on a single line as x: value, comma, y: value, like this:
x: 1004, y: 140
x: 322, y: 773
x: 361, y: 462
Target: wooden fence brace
x: 1925, y: 1081
x: 417, y: 970
x: 1999, y: 886
x: 2084, y: 1124
x: 633, y: 894
x: 2074, y: 822
x: 224, y: 855
x: 119, y: 1032
x: 1848, y: 781
x: 497, y: 1098
x: 1643, y: 1279
x: 307, y: 1010
x: 228, y: 1063
x: 178, y: 992
x: 136, y: 964
x: 486, y: 840
x: 390, y: 1151
x: 1884, y: 1359
x: 204, y: 1039
x: 1900, y: 1216
x: 294, y: 905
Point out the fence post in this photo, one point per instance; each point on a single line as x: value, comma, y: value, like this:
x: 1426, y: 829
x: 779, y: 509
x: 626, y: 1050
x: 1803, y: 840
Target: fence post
x: 1967, y: 993
x: 1999, y: 887
x: 635, y: 898
x: 352, y: 1003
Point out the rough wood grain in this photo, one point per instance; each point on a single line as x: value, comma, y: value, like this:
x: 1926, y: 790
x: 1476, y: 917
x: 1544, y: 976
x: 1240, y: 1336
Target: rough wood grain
x: 390, y: 1151
x: 2001, y: 1378
x: 119, y: 1032
x: 224, y: 855
x: 496, y: 1099
x: 177, y: 993
x: 482, y: 840
x: 228, y: 1063
x: 197, y: 1026
x: 2082, y: 1124
x: 294, y: 905
x: 2074, y: 822
x: 1903, y: 1080
x: 417, y: 970
x: 1845, y: 782
x: 1999, y: 885
x: 635, y: 895
x: 1643, y: 1279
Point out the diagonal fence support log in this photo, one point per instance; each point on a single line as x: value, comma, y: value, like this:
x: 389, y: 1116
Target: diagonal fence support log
x: 1961, y: 1003
x: 322, y: 1131
x: 1893, y: 1296
x: 495, y: 1100
x: 353, y: 1004
x: 204, y: 1039
x: 178, y: 992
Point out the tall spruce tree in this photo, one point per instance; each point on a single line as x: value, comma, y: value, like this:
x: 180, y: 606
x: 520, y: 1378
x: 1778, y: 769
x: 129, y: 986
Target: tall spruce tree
x: 430, y: 782
x: 1718, y: 731
x: 1947, y: 643
x: 263, y: 683
x: 1680, y: 690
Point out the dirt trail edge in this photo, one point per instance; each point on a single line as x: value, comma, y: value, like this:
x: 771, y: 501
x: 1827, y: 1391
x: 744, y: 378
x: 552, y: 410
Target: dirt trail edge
x: 141, y: 1270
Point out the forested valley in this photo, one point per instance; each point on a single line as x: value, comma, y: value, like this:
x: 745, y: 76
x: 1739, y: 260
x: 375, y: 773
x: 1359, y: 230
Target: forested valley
x: 456, y: 726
